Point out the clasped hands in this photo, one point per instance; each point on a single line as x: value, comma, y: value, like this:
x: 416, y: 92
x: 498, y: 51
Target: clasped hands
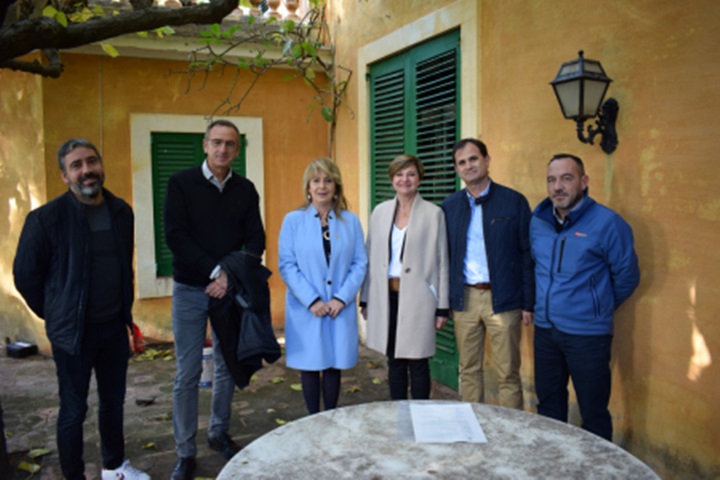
x: 332, y: 308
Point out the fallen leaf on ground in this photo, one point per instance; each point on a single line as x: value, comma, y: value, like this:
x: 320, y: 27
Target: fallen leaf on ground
x: 296, y: 387
x: 271, y: 410
x: 370, y: 365
x: 28, y: 467
x: 277, y: 379
x: 280, y: 421
x: 376, y: 381
x: 149, y: 445
x: 37, y: 452
x: 353, y: 389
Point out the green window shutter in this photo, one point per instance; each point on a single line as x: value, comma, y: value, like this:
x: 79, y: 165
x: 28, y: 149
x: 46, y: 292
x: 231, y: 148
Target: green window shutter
x: 414, y: 108
x: 172, y: 152
x: 414, y: 104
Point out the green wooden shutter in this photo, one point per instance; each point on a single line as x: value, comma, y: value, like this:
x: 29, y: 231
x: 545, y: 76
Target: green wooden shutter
x: 172, y: 152
x: 414, y: 105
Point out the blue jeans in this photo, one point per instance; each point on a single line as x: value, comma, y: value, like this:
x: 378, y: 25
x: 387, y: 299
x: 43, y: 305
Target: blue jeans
x: 190, y: 319
x: 104, y: 349
x: 584, y: 358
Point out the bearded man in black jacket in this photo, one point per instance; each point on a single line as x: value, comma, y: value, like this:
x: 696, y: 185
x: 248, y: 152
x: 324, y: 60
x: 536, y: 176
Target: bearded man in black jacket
x: 73, y: 267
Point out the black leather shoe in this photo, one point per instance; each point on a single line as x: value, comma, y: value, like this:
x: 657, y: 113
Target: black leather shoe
x: 223, y: 444
x: 184, y: 469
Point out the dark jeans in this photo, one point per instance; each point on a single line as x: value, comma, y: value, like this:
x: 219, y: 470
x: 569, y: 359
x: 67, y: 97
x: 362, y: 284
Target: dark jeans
x: 104, y: 349
x: 311, y: 386
x: 399, y: 369
x: 584, y: 358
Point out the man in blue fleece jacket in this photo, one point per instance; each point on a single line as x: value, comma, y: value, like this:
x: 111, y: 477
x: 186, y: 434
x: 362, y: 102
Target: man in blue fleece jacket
x: 585, y: 267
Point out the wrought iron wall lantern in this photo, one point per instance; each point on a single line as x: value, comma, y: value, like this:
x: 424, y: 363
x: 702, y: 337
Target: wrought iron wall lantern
x: 580, y: 87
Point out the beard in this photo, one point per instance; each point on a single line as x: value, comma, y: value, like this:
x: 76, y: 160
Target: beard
x: 88, y: 191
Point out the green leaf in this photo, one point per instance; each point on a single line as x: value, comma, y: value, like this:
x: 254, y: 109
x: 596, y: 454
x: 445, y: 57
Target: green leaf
x: 98, y: 11
x: 277, y: 380
x: 309, y: 48
x: 215, y: 29
x: 327, y: 114
x: 251, y: 20
x: 149, y: 446
x: 166, y: 30
x: 142, y: 34
x: 49, y: 11
x: 296, y: 51
x: 62, y: 19
x: 110, y: 50
x: 309, y: 74
x: 245, y: 3
x: 296, y: 387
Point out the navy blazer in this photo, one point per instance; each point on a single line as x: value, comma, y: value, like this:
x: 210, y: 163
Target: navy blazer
x: 506, y: 220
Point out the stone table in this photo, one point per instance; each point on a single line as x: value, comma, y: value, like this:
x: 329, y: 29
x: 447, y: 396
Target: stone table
x: 376, y: 441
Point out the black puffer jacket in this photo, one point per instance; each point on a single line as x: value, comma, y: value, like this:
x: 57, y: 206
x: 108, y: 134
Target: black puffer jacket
x: 52, y: 265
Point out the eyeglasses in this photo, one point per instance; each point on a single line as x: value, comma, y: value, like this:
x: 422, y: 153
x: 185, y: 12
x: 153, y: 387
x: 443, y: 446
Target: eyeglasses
x: 217, y: 143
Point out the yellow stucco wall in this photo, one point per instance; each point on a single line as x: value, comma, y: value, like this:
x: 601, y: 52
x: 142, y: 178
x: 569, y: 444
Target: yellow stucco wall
x: 22, y: 188
x: 663, y: 58
x: 95, y: 97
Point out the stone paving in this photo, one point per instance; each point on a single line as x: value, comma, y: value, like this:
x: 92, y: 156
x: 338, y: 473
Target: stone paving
x: 28, y: 391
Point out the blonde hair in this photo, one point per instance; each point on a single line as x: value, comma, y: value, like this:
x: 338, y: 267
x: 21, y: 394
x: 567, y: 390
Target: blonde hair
x: 329, y: 168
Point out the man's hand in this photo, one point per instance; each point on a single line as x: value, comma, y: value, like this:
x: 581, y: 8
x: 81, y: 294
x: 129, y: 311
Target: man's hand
x: 527, y: 317
x: 218, y: 287
x: 363, y: 312
x: 440, y: 322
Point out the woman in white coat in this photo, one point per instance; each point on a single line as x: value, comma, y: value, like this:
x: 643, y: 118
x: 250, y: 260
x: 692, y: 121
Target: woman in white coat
x: 405, y: 294
x: 323, y: 263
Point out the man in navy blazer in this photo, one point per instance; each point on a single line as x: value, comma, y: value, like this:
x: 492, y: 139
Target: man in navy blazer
x: 491, y: 274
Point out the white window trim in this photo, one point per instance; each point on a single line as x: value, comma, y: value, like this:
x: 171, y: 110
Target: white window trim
x: 141, y: 127
x: 462, y: 14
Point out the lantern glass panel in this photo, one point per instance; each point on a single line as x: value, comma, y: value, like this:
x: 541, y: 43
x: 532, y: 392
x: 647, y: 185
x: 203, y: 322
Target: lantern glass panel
x: 568, y: 94
x: 594, y: 93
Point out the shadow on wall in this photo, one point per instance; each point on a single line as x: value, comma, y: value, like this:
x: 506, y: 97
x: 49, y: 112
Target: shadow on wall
x: 634, y: 375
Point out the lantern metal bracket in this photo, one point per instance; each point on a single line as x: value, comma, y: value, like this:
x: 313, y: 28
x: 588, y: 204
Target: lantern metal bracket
x: 605, y: 125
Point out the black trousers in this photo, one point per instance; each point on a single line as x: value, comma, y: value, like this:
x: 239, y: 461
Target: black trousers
x: 105, y: 350
x: 404, y: 371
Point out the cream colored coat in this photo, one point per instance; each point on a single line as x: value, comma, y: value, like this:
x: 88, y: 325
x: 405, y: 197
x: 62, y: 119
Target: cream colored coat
x: 423, y: 282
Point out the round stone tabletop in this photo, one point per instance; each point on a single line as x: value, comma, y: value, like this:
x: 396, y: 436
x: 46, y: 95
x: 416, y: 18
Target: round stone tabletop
x: 376, y: 441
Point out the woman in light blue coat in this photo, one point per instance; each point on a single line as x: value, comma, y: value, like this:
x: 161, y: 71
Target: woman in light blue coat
x: 323, y: 263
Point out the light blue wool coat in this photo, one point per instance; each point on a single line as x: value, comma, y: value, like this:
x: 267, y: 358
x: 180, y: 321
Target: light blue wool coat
x: 317, y: 343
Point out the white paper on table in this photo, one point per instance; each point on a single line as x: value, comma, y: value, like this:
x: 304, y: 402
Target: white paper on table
x: 443, y: 423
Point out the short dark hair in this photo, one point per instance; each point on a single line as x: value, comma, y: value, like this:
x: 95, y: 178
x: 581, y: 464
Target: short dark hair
x: 221, y: 123
x: 461, y: 144
x: 71, y: 145
x: 401, y: 162
x: 578, y: 161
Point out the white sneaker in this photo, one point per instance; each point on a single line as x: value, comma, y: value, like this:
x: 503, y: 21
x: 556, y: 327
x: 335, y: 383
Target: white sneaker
x: 124, y: 472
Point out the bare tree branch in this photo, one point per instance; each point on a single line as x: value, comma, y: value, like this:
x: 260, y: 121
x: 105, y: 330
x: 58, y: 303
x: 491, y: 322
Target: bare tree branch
x: 25, y: 36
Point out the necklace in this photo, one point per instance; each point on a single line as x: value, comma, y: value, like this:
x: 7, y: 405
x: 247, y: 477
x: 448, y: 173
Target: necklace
x: 326, y: 234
